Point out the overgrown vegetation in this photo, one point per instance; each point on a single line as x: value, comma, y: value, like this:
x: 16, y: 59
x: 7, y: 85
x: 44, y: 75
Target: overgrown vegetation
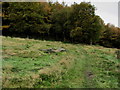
x: 81, y: 66
x: 26, y: 65
x: 76, y: 23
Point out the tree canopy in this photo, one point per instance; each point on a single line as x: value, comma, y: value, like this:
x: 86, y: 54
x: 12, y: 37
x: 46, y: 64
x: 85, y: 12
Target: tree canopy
x: 77, y: 23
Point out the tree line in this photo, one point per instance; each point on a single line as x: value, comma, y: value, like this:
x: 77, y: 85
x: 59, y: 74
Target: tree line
x: 77, y: 23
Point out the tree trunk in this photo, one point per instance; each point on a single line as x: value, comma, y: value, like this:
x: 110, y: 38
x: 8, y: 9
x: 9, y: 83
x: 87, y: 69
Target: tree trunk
x: 91, y: 42
x: 63, y: 36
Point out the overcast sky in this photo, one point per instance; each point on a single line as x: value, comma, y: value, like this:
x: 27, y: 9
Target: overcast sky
x: 106, y: 9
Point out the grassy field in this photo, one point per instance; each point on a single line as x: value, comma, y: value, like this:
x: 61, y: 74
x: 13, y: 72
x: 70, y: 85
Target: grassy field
x: 80, y: 66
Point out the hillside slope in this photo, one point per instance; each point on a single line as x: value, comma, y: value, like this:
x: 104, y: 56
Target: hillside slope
x: 80, y: 66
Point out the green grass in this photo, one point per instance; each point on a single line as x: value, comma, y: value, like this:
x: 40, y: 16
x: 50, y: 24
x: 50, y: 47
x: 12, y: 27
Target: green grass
x: 81, y: 66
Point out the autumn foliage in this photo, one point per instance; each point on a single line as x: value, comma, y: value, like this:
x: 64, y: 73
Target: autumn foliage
x: 77, y: 23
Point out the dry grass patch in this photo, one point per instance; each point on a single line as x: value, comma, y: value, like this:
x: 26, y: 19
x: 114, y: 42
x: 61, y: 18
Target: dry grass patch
x: 59, y: 67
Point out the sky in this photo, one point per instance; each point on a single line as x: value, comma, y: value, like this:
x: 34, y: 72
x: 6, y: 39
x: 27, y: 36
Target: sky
x: 106, y: 9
